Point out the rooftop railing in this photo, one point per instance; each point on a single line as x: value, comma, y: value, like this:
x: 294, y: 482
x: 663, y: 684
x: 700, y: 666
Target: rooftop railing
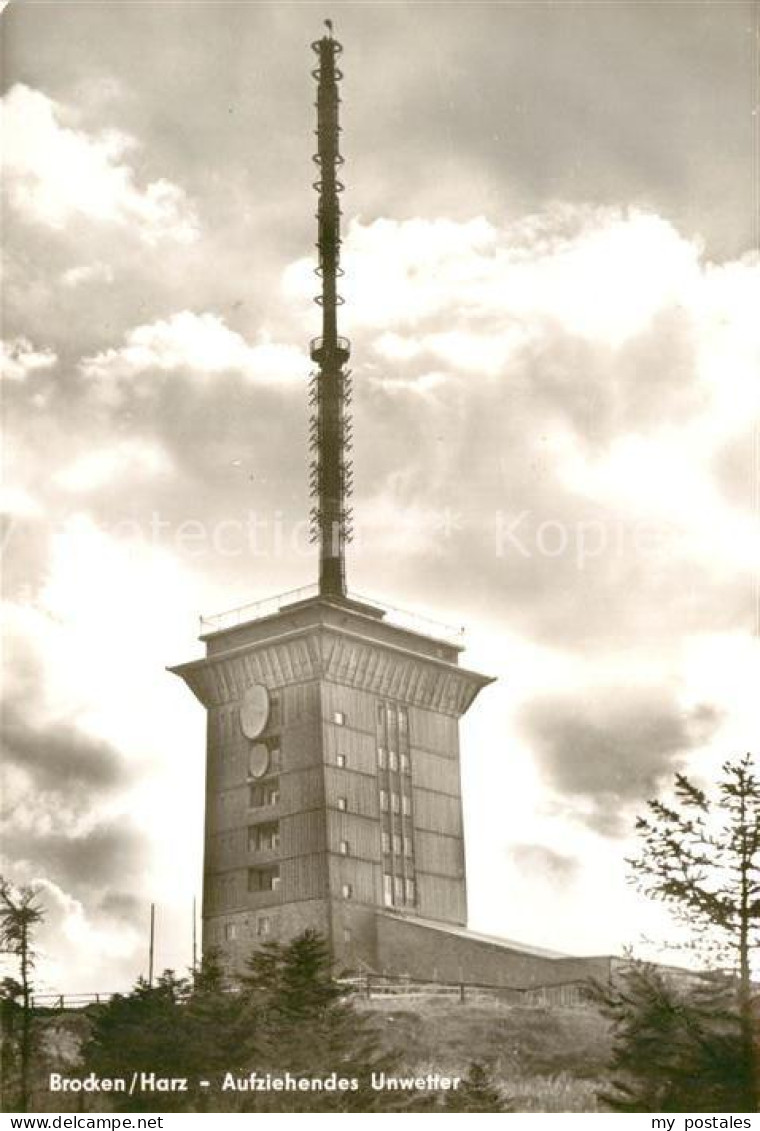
x: 270, y: 606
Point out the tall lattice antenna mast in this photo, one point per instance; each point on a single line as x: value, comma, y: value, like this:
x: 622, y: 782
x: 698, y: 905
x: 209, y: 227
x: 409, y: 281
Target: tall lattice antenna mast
x: 330, y: 387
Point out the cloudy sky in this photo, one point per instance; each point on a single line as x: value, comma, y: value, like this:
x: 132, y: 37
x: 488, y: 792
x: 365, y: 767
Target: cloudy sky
x: 552, y: 290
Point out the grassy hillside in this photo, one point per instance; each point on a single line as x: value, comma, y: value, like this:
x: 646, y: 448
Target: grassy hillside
x: 546, y: 1059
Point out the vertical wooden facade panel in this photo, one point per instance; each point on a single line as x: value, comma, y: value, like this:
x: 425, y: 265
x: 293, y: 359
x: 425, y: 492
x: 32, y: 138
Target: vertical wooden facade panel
x: 357, y: 790
x: 303, y: 833
x: 360, y: 834
x: 354, y: 704
x: 360, y: 877
x: 301, y: 789
x: 304, y: 877
x: 437, y: 812
x: 429, y: 771
x: 436, y: 732
x: 441, y: 898
x: 358, y: 749
x: 439, y: 854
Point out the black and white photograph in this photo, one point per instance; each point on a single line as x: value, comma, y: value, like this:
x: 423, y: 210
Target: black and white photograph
x: 380, y: 545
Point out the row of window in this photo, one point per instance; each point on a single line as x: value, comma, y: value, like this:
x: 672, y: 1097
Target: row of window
x: 263, y: 929
x: 395, y: 803
x: 398, y: 889
x: 396, y: 844
x: 391, y: 715
x: 389, y: 802
x: 393, y: 770
x: 390, y: 760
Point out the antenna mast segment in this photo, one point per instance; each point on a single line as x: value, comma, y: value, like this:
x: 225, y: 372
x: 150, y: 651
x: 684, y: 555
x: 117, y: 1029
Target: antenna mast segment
x: 330, y: 387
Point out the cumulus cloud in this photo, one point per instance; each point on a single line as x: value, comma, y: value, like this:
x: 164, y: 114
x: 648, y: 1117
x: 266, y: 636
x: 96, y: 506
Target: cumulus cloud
x: 88, y: 273
x: 19, y: 358
x: 85, y: 861
x: 55, y: 172
x: 19, y: 503
x: 197, y: 345
x: 544, y: 863
x: 610, y: 318
x: 484, y: 399
x: 59, y: 756
x: 127, y: 460
x: 613, y: 745
x: 590, y: 367
x: 587, y: 269
x: 85, y: 947
x: 89, y: 748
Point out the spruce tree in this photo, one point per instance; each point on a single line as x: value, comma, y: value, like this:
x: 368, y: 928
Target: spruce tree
x: 700, y: 854
x: 302, y: 1022
x: 476, y: 1093
x: 677, y: 1043
x: 20, y: 914
x: 144, y: 1031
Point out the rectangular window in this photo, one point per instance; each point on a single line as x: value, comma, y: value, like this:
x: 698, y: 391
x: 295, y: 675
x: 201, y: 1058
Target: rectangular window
x: 263, y: 795
x: 340, y: 760
x: 407, y: 804
x: 388, y: 890
x: 398, y: 889
x: 384, y: 800
x: 382, y: 761
x: 395, y: 803
x: 263, y: 879
x: 275, y: 758
x: 230, y: 931
x: 346, y: 891
x: 339, y: 718
x: 342, y: 804
x: 263, y: 926
x: 403, y: 720
x: 405, y: 766
x: 407, y: 846
x: 344, y: 848
x: 263, y: 838
x: 386, y: 842
x: 393, y: 758
x: 410, y: 896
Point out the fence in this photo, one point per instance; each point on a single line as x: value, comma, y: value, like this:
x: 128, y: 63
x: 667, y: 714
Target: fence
x: 571, y: 994
x: 374, y: 987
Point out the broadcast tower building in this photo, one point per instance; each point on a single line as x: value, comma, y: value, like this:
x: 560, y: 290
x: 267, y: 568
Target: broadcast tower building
x: 333, y: 796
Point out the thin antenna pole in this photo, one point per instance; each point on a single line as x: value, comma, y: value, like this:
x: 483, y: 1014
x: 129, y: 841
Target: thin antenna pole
x: 195, y: 948
x: 330, y: 389
x: 151, y: 948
